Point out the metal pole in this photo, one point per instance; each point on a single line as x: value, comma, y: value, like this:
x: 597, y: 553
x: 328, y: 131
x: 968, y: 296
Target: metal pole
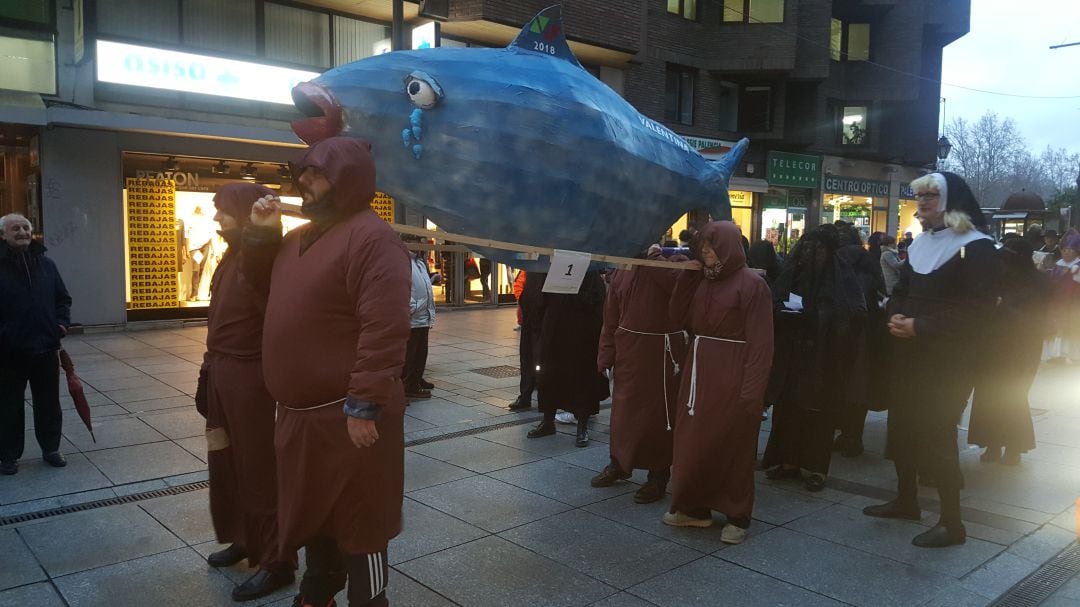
x: 396, y: 34
x: 1056, y: 46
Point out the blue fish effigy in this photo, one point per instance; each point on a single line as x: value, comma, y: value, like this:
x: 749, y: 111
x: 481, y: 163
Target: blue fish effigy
x: 519, y: 144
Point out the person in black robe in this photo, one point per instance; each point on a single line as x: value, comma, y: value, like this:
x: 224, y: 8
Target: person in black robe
x: 940, y: 307
x: 864, y: 378
x: 815, y: 345
x: 532, y: 320
x: 569, y: 344
x: 762, y: 256
x: 1000, y: 412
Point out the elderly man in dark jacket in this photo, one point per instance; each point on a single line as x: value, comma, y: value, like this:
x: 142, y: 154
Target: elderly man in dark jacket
x: 35, y: 311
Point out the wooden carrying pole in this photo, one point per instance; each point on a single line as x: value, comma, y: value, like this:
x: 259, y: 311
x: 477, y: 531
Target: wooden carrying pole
x: 530, y: 250
x: 535, y: 251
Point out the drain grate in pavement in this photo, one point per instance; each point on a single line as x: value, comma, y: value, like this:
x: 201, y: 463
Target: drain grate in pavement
x: 499, y: 371
x: 112, y: 501
x: 1038, y: 586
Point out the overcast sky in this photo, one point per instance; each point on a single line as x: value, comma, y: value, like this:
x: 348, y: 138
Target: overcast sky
x: 1007, y: 50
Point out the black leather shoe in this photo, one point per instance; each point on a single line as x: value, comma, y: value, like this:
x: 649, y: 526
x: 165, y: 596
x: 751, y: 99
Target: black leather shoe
x: 227, y: 557
x: 940, y: 536
x: 425, y: 384
x: 9, y: 467
x: 608, y: 476
x: 264, y: 582
x: 544, y: 428
x: 894, y: 509
x: 521, y: 403
x: 55, y: 459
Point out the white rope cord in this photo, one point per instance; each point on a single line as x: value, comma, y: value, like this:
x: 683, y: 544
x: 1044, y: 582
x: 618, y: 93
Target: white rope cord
x: 692, y: 400
x: 333, y: 402
x: 667, y: 354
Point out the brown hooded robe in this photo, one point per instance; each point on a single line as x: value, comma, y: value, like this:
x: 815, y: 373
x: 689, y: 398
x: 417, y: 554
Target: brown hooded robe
x: 720, y: 402
x: 240, y: 412
x: 337, y: 323
x: 645, y: 349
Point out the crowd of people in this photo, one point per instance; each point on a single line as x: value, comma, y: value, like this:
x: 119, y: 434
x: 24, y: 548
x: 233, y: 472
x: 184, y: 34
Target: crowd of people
x: 316, y: 339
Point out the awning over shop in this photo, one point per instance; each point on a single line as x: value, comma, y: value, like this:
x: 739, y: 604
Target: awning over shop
x: 1015, y: 215
x: 749, y: 184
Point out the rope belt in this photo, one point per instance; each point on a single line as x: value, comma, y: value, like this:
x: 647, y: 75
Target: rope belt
x: 693, y: 368
x: 668, y: 354
x: 333, y: 402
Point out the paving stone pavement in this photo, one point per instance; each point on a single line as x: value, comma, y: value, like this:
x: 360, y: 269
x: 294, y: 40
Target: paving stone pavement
x: 492, y: 518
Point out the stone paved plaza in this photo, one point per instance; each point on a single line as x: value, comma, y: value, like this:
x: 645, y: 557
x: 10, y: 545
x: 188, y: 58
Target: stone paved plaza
x: 494, y: 519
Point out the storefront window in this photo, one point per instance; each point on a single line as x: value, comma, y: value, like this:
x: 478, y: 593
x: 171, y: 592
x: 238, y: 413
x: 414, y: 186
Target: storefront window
x: 783, y: 220
x: 908, y: 221
x: 868, y: 215
x: 173, y: 245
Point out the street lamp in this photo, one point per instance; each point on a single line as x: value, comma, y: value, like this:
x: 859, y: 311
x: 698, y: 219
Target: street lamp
x: 944, y: 146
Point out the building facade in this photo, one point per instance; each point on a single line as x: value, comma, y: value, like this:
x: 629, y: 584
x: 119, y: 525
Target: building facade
x: 120, y: 118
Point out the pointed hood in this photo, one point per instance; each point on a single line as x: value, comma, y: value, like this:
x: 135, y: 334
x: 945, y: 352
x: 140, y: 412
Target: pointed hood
x: 235, y: 199
x: 348, y: 166
x: 726, y: 240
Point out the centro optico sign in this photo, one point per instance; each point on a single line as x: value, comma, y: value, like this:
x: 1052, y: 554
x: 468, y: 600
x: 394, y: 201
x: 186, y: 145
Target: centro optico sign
x: 145, y: 66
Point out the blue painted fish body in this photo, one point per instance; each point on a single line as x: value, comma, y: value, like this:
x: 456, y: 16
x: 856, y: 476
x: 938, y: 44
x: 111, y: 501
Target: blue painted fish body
x: 518, y: 144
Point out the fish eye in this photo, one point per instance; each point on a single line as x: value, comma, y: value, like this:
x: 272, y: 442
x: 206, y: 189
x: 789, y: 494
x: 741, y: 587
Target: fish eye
x: 422, y: 93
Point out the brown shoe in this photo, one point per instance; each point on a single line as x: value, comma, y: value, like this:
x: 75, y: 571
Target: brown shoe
x: 650, y: 492
x: 608, y: 476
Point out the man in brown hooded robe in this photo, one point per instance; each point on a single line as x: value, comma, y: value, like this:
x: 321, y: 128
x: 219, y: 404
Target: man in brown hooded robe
x: 240, y: 412
x: 337, y: 324
x: 643, y: 348
x: 728, y: 309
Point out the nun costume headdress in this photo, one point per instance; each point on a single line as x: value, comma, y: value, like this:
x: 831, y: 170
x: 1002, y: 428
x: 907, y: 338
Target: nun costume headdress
x: 964, y: 222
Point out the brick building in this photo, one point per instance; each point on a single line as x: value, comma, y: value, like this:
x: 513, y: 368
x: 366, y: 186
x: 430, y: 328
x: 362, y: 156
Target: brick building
x: 839, y: 97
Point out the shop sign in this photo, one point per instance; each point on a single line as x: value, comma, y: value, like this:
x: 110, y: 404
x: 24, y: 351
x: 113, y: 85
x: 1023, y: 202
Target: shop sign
x: 184, y: 181
x: 423, y: 36
x: 707, y: 146
x: 856, y: 187
x: 740, y: 198
x: 152, y: 243
x: 906, y: 192
x: 171, y: 70
x: 383, y: 206
x: 796, y: 170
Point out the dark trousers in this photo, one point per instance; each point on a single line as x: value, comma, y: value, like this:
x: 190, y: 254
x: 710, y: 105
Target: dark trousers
x: 528, y: 358
x: 42, y: 371
x: 415, y: 358
x: 936, y: 456
x: 328, y: 569
x: 853, y: 421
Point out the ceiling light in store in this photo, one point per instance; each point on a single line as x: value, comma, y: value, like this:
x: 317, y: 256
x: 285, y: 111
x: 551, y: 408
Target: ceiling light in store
x: 220, y: 168
x: 248, y: 172
x: 171, y: 164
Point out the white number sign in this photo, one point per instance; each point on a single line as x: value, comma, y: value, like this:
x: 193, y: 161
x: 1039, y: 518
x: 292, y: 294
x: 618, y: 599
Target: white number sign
x: 567, y: 271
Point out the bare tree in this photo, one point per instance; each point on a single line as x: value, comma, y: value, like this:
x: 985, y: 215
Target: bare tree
x: 1060, y: 168
x: 987, y: 153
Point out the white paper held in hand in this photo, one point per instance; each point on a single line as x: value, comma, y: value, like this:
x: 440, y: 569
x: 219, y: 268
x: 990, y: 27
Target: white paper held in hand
x: 567, y: 271
x: 794, y: 303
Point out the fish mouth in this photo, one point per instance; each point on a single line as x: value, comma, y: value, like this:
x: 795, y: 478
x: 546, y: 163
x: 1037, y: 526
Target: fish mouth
x: 324, y: 113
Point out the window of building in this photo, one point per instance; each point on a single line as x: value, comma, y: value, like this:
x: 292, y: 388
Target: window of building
x: 39, y: 12
x: 297, y: 35
x: 687, y: 9
x: 754, y: 11
x: 854, y: 124
x: 755, y: 109
x: 849, y: 41
x: 228, y: 27
x: 728, y: 106
x: 157, y: 20
x: 679, y: 95
x: 355, y: 39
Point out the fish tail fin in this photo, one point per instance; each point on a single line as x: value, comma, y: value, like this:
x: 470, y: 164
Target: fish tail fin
x: 720, y: 172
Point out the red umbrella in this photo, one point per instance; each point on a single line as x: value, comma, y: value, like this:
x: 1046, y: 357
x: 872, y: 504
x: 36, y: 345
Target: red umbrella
x: 75, y: 389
